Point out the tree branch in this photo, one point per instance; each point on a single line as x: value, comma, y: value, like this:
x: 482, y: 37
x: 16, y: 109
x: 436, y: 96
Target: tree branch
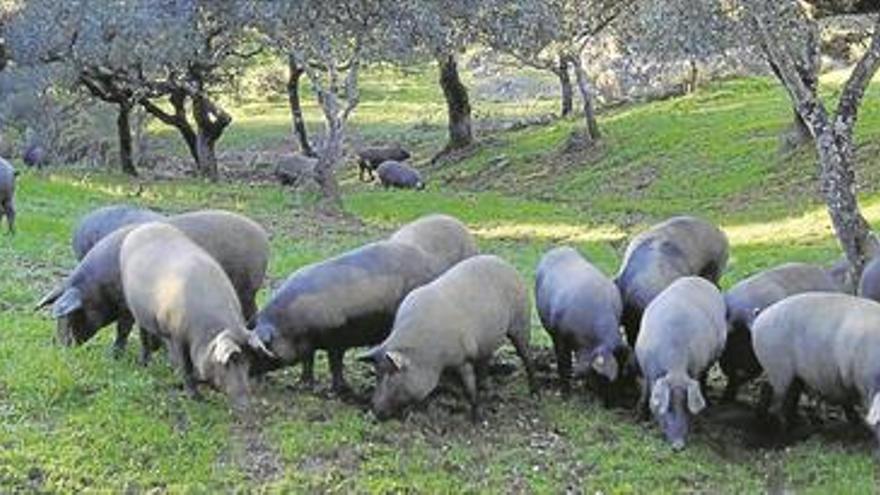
x: 862, y: 74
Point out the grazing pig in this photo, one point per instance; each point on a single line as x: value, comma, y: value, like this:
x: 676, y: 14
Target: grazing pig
x: 296, y: 169
x: 346, y: 301
x: 580, y: 309
x: 443, y: 238
x: 188, y: 301
x: 678, y: 247
x: 369, y: 159
x: 827, y: 342
x: 35, y: 156
x: 91, y: 298
x: 682, y: 334
x: 454, y: 323
x: 7, y: 194
x: 400, y: 175
x: 103, y: 221
x: 748, y: 298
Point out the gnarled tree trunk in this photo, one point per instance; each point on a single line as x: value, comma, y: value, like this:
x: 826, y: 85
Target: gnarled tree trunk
x: 299, y: 123
x: 592, y: 125
x: 457, y: 103
x: 567, y: 91
x: 211, y: 121
x: 178, y: 119
x: 123, y: 129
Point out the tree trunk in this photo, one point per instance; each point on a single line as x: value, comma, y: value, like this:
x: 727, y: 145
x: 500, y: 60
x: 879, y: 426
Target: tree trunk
x: 299, y: 123
x: 178, y: 120
x: 839, y: 189
x: 565, y: 86
x: 457, y: 103
x: 593, y: 134
x: 123, y: 128
x: 694, y: 77
x: 329, y: 157
x: 211, y: 121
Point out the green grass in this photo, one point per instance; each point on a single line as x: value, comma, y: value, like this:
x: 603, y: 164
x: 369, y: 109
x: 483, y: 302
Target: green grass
x: 76, y: 419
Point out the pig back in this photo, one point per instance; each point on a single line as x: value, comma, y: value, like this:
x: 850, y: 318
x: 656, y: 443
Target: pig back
x: 103, y: 221
x: 237, y: 243
x: 684, y: 327
x: 446, y: 239
x: 183, y: 293
x: 829, y: 340
x: 765, y: 288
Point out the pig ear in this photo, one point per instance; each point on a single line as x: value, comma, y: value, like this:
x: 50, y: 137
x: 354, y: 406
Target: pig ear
x: 397, y: 360
x: 255, y: 343
x: 873, y: 418
x: 70, y: 301
x: 225, y: 347
x: 372, y: 356
x: 606, y: 366
x: 50, y: 297
x: 696, y: 402
x: 660, y: 397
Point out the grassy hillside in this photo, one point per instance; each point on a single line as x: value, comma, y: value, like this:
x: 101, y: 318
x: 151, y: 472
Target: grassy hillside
x: 76, y: 418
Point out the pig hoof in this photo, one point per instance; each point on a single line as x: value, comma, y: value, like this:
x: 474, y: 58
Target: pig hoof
x: 117, y: 352
x: 343, y: 390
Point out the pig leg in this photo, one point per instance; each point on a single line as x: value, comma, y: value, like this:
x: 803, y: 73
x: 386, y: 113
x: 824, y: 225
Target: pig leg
x: 9, y: 207
x: 123, y: 329
x: 520, y: 343
x: 481, y: 368
x: 149, y: 344
x: 307, y: 380
x: 563, y: 365
x: 249, y: 307
x: 180, y: 354
x: 469, y: 380
x: 852, y: 416
x: 733, y: 384
x: 784, y: 400
x: 335, y: 356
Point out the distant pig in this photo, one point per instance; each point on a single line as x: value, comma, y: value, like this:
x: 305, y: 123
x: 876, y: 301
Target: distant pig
x: 103, y: 221
x: 841, y: 273
x: 443, y: 238
x: 91, y: 298
x: 454, y: 323
x: 369, y: 159
x: 334, y: 305
x: 7, y: 194
x: 188, y: 301
x: 683, y: 333
x: 580, y: 308
x: 399, y: 175
x: 678, y: 247
x: 826, y: 342
x: 35, y: 156
x: 748, y: 298
x: 869, y: 283
x: 296, y: 169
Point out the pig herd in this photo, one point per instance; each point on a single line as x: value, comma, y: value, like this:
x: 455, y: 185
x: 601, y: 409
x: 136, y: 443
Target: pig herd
x: 424, y: 302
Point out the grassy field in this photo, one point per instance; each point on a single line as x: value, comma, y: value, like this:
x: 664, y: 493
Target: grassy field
x: 76, y: 419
